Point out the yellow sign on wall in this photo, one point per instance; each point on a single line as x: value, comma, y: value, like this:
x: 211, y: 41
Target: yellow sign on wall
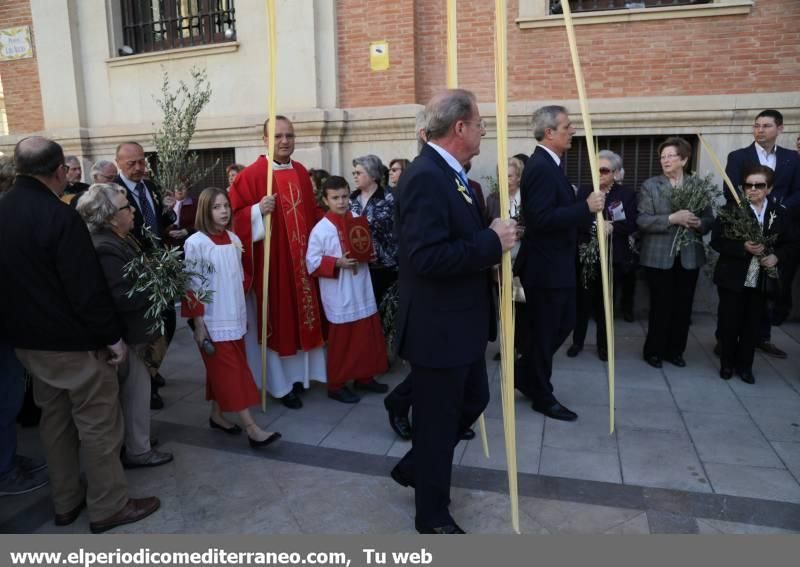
x: 379, y: 55
x: 15, y: 43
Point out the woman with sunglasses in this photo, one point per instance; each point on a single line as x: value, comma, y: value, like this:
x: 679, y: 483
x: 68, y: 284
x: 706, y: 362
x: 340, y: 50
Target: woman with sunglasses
x: 743, y: 273
x: 620, y: 214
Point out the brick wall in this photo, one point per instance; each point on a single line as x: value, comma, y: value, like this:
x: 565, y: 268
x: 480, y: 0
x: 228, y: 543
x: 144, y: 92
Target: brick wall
x: 20, y: 77
x: 759, y: 52
x: 361, y: 22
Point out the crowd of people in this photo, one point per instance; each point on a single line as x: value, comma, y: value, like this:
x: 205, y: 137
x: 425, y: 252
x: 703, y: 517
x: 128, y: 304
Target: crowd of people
x: 94, y: 348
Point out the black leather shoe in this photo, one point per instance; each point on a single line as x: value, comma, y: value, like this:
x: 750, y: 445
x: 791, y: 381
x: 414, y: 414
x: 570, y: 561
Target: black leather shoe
x: 602, y: 354
x: 68, y: 517
x: 158, y: 381
x: 156, y: 402
x: 467, y: 435
x: 344, y: 395
x: 298, y: 388
x: 726, y: 373
x: 676, y: 360
x: 653, y: 361
x: 372, y: 386
x: 401, y: 479
x: 447, y: 529
x: 292, y: 401
x: 770, y: 349
x: 574, y: 351
x: 268, y: 441
x: 232, y: 430
x: 747, y: 377
x: 556, y: 411
x: 399, y: 423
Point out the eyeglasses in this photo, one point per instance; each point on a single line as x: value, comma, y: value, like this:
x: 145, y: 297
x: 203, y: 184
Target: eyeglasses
x: 284, y: 136
x: 604, y: 171
x: 123, y: 207
x: 756, y: 186
x: 481, y: 124
x: 395, y: 169
x: 670, y: 156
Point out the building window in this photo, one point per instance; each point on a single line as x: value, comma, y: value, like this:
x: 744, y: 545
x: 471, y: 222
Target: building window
x: 219, y: 158
x: 156, y: 25
x: 639, y: 157
x: 597, y: 5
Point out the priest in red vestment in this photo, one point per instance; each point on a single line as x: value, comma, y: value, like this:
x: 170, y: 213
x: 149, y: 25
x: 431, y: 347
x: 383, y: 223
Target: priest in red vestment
x: 295, y: 352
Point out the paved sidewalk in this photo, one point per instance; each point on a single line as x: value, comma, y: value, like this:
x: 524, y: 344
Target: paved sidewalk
x: 691, y: 454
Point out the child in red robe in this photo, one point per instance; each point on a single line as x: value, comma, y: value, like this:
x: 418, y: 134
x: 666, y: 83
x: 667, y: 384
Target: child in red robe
x: 220, y: 326
x: 356, y: 344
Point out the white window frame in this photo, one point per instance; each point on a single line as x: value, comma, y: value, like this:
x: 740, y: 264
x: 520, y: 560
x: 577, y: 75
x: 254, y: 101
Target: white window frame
x: 534, y: 13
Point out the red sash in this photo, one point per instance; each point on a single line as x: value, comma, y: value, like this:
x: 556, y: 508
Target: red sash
x: 292, y: 207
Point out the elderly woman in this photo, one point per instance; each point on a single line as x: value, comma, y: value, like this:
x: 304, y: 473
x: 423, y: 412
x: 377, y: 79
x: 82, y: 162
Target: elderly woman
x: 106, y: 211
x: 671, y: 279
x: 741, y: 274
x: 396, y: 168
x: 371, y: 201
x: 620, y: 214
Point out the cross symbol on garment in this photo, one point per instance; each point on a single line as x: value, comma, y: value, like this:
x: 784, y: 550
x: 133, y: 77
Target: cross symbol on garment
x: 294, y: 202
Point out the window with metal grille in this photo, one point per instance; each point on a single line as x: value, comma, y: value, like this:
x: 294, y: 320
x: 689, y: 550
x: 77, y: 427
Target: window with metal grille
x: 156, y: 25
x: 597, y: 5
x: 639, y: 157
x: 205, y: 158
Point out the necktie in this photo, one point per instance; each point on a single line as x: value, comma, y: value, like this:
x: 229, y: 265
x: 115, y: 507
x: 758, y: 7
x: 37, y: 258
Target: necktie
x: 144, y: 205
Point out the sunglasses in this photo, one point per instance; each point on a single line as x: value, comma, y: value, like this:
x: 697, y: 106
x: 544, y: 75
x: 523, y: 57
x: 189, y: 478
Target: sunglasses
x: 757, y: 186
x: 605, y: 170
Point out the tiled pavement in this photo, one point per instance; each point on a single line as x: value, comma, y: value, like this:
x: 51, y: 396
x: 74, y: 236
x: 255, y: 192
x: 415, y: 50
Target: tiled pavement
x: 690, y: 454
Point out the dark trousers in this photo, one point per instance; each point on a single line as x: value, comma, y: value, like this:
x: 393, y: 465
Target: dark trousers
x: 551, y: 318
x: 671, y: 298
x: 625, y: 286
x: 783, y: 303
x: 382, y: 280
x: 399, y: 399
x: 445, y: 402
x: 12, y: 393
x: 589, y: 303
x: 740, y: 313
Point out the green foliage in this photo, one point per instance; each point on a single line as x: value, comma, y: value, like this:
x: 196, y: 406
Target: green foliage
x: 388, y: 313
x: 589, y: 258
x: 177, y: 166
x: 738, y: 223
x: 695, y: 194
x: 163, y: 275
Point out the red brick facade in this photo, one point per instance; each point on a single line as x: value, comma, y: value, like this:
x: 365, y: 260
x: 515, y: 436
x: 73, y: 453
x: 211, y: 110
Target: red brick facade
x: 20, y: 77
x: 759, y: 52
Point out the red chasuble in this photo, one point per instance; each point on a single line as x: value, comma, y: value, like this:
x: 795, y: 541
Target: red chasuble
x: 294, y: 320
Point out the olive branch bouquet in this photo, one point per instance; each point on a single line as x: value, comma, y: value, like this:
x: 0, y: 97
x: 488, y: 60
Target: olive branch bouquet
x: 694, y: 194
x: 162, y: 274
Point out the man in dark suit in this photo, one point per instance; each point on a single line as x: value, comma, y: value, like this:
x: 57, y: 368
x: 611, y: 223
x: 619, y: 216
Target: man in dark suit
x: 59, y: 316
x: 446, y: 314
x: 547, y: 259
x: 148, y: 210
x: 764, y: 150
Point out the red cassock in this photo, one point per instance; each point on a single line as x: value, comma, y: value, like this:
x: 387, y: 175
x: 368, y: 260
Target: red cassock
x: 294, y: 321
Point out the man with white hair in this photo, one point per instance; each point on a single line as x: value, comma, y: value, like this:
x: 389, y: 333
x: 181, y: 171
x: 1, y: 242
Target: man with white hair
x: 104, y: 171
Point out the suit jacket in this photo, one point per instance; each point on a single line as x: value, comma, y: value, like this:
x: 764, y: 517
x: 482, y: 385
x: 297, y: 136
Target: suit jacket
x: 113, y: 253
x: 655, y: 206
x: 552, y: 215
x: 617, y: 194
x: 786, y: 186
x: 165, y: 216
x: 446, y: 313
x: 54, y: 294
x: 734, y: 260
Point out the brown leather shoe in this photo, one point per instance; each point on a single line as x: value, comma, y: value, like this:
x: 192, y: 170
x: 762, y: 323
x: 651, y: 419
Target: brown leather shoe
x: 68, y: 517
x: 135, y: 510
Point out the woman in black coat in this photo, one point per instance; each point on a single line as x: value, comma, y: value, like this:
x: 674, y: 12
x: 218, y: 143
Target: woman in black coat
x: 742, y: 274
x: 620, y: 214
